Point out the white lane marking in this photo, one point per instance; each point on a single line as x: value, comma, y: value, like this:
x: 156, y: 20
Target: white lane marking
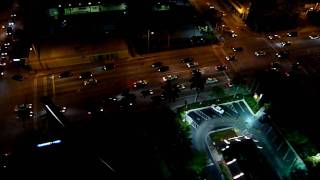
x: 101, y: 160
x: 45, y: 86
x: 54, y: 115
x: 35, y: 101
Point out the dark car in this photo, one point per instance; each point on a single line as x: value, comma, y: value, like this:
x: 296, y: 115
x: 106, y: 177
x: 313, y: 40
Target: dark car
x: 85, y: 75
x: 282, y: 54
x: 163, y: 68
x: 292, y: 34
x: 109, y: 67
x: 65, y: 74
x: 1, y: 71
x: 231, y: 58
x: 147, y: 92
x: 275, y: 66
x: 157, y: 65
x: 186, y: 60
x: 18, y: 77
x: 221, y: 67
x: 237, y: 49
x: 140, y: 84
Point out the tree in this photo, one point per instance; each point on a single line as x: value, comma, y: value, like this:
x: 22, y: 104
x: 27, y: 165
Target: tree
x: 170, y: 91
x: 197, y: 81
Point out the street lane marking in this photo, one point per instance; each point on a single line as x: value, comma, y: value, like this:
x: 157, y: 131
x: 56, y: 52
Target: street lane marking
x: 45, y: 86
x: 35, y: 102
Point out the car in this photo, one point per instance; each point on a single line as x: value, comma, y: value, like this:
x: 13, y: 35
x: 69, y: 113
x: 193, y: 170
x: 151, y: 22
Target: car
x: 229, y: 84
x: 91, y: 81
x: 211, y: 80
x: 169, y: 77
x: 217, y: 108
x: 275, y: 66
x: 140, y: 84
x: 85, y: 75
x: 1, y: 71
x: 157, y: 65
x: 23, y: 111
x: 18, y: 77
x: 147, y: 92
x: 237, y: 49
x: 109, y: 67
x: 192, y: 64
x: 65, y: 74
x: 231, y: 58
x: 285, y: 43
x: 314, y: 36
x: 186, y: 60
x: 260, y: 53
x: 63, y: 109
x: 282, y: 54
x: 221, y: 67
x: 157, y: 99
x: 273, y: 37
x: 163, y: 68
x: 234, y: 35
x: 296, y: 65
x: 3, y: 63
x: 292, y: 34
x: 181, y: 86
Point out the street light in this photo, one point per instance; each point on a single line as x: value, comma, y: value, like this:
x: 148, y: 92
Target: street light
x: 148, y: 38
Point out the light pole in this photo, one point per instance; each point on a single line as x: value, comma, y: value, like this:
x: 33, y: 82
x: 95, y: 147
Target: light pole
x: 148, y: 38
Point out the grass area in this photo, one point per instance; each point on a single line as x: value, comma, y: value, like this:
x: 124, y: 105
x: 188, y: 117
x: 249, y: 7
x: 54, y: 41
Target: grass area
x: 221, y: 135
x: 253, y: 104
x: 225, y: 171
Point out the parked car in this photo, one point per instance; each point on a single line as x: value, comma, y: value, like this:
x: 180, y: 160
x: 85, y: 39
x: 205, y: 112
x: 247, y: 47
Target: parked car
x: 217, y: 108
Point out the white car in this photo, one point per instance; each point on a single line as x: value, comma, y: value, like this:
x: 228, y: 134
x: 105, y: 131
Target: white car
x: 314, y: 37
x: 217, y: 108
x: 90, y: 81
x: 191, y: 64
x: 211, y: 80
x: 169, y: 77
x: 260, y: 53
x: 181, y: 86
x: 272, y: 37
